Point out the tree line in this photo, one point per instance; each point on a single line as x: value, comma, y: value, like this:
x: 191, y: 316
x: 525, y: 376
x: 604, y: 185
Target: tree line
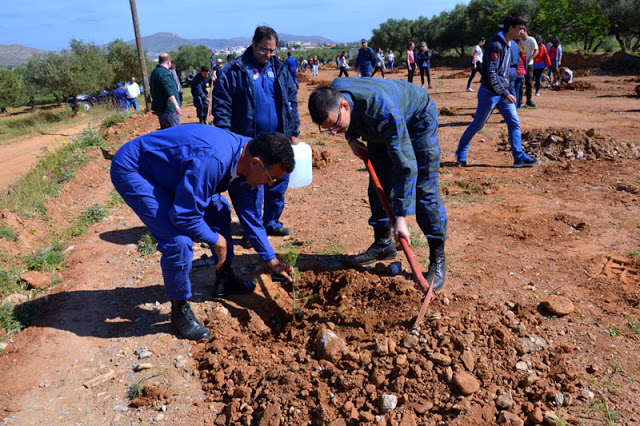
x: 586, y: 23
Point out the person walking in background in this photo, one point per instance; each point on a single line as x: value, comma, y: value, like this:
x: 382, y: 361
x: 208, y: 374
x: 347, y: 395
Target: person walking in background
x: 391, y: 59
x: 164, y: 94
x: 476, y: 62
x: 424, y: 62
x: 494, y: 92
x: 174, y: 76
x: 555, y: 54
x: 411, y: 61
x: 254, y: 96
x: 344, y: 64
x: 366, y: 59
x: 292, y: 66
x: 399, y: 123
x: 200, y: 93
x: 121, y: 98
x: 133, y: 92
x: 531, y: 47
x: 540, y: 62
x: 520, y: 71
x: 315, y: 65
x: 379, y: 63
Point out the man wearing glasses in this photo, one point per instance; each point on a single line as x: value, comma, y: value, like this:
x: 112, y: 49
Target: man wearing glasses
x: 399, y: 122
x: 173, y: 180
x: 255, y: 95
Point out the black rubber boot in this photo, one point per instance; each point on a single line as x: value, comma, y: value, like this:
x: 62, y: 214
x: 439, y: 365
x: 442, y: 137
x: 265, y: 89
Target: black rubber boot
x: 383, y: 248
x: 185, y: 322
x: 227, y: 282
x: 437, y: 264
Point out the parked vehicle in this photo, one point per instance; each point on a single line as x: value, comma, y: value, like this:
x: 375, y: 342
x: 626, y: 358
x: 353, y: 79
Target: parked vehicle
x: 86, y: 101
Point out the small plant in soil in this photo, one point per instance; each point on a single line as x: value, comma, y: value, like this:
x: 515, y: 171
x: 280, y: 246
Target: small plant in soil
x: 7, y: 233
x: 298, y: 301
x: 46, y: 260
x: 115, y: 199
x: 93, y: 214
x: 634, y: 324
x: 633, y: 253
x: 612, y: 331
x: 602, y: 406
x: 136, y: 389
x: 146, y: 245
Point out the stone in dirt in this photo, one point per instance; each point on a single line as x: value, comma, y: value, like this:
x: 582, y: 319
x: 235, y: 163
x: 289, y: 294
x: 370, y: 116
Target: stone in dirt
x: 388, y: 403
x: 505, y: 401
x: 329, y: 345
x: 507, y: 418
x: 558, y: 305
x: 536, y: 416
x: 36, y: 280
x: 466, y: 383
x: 440, y: 359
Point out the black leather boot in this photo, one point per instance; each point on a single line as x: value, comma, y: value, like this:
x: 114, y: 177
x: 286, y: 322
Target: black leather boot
x: 383, y: 248
x: 185, y: 322
x: 227, y: 282
x: 437, y: 264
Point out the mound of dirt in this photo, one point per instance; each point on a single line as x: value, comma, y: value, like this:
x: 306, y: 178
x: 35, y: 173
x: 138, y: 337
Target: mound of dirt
x: 574, y: 144
x: 448, y: 111
x: 579, y: 86
x: 303, y: 77
x: 468, y: 364
x: 320, y: 159
x: 459, y: 74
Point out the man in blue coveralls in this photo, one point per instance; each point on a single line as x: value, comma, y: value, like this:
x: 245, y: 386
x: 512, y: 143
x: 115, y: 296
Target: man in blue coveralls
x: 494, y: 92
x: 200, y: 93
x: 173, y: 179
x: 255, y: 95
x: 399, y: 122
x: 366, y: 59
x: 292, y: 66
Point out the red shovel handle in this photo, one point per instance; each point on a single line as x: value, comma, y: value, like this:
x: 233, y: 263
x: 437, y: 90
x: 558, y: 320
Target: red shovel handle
x: 403, y: 241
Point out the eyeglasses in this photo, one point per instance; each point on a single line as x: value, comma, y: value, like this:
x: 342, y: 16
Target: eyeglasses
x: 263, y: 51
x: 271, y: 179
x: 336, y: 126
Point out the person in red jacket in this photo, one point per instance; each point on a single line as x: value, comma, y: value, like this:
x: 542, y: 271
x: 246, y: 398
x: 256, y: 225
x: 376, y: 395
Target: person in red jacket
x: 540, y: 63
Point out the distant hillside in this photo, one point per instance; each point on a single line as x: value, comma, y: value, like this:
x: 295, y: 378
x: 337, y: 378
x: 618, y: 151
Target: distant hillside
x: 15, y: 54
x: 162, y: 42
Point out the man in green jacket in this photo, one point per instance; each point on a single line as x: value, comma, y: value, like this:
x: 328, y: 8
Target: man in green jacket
x: 164, y: 94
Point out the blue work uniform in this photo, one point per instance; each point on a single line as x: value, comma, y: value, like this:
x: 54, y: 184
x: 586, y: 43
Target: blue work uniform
x: 199, y: 91
x: 365, y: 61
x: 173, y: 180
x: 399, y: 122
x: 252, y: 99
x: 292, y: 66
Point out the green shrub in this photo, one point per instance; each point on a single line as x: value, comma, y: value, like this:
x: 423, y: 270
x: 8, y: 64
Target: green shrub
x: 112, y: 120
x: 93, y: 214
x: 146, y: 245
x: 46, y: 260
x: 7, y: 233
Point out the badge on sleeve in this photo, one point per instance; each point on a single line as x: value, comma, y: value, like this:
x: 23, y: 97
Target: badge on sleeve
x: 494, y: 56
x: 256, y: 74
x: 270, y: 74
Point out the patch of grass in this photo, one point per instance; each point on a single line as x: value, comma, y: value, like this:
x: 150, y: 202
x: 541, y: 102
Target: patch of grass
x: 333, y: 249
x: 135, y: 390
x: 616, y: 367
x: 602, y: 407
x: 481, y: 132
x: 115, y: 199
x: 47, y: 260
x: 112, y: 120
x: 10, y: 279
x: 417, y: 239
x: 559, y: 422
x: 612, y: 388
x: 319, y: 140
x: 632, y: 379
x: 612, y: 331
x: 7, y: 233
x: 634, y: 324
x: 93, y: 214
x: 146, y: 245
x: 29, y: 194
x: 633, y: 253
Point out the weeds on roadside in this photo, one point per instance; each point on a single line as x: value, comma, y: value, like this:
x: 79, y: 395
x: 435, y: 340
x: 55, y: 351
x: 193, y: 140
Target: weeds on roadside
x: 146, y: 245
x: 634, y: 324
x: 8, y: 234
x: 135, y: 390
x: 115, y: 199
x: 46, y: 260
x: 612, y: 331
x: 27, y: 197
x: 88, y: 217
x: 602, y: 407
x: 112, y: 120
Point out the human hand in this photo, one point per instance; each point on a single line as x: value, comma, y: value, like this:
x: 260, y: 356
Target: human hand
x: 358, y: 148
x: 511, y: 99
x: 294, y: 140
x: 400, y: 229
x: 178, y: 110
x: 281, y: 268
x: 220, y: 249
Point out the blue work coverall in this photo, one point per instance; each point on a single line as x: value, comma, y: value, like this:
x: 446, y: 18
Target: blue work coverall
x: 399, y: 122
x: 173, y: 180
x: 252, y: 99
x: 365, y: 61
x: 200, y: 94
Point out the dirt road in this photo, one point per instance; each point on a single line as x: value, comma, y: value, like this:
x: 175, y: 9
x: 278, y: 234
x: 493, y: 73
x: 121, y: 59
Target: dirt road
x: 568, y: 227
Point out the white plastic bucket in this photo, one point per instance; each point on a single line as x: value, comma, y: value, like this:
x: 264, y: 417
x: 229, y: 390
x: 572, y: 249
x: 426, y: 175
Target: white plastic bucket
x: 302, y: 174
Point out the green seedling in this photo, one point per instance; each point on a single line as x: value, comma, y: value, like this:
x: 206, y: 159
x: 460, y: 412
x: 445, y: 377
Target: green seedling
x: 8, y: 234
x: 146, y: 245
x: 634, y: 324
x: 136, y: 389
x: 612, y: 331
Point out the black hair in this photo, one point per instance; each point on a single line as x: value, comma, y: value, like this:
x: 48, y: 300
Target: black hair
x: 513, y: 19
x: 288, y: 53
x: 229, y: 57
x: 263, y: 33
x: 272, y: 149
x: 204, y: 68
x: 323, y: 100
x: 481, y: 39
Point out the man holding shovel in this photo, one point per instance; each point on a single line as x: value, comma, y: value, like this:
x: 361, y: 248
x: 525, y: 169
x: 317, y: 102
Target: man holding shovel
x: 399, y: 122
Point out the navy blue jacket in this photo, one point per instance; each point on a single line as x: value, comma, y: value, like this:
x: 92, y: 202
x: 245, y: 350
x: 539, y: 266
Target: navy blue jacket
x: 234, y: 100
x: 366, y: 59
x: 199, y: 88
x: 495, y: 66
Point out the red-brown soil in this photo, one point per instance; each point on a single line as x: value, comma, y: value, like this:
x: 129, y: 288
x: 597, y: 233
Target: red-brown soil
x: 568, y: 227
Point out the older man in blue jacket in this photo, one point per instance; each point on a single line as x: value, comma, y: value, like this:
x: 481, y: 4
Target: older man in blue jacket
x: 255, y: 95
x: 173, y: 180
x: 494, y: 92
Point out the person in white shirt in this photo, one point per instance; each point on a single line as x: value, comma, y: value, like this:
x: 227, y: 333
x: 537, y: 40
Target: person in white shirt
x: 133, y: 92
x: 531, y: 46
x: 391, y: 58
x: 476, y: 62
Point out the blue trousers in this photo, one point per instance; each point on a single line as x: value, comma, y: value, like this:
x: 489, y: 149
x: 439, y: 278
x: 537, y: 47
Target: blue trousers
x: 365, y: 71
x: 429, y: 206
x: 487, y: 101
x: 133, y: 103
x: 152, y: 203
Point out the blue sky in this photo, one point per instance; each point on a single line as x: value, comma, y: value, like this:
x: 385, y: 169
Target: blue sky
x: 50, y: 25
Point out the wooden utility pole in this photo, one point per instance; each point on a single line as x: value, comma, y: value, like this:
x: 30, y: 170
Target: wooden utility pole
x: 141, y: 56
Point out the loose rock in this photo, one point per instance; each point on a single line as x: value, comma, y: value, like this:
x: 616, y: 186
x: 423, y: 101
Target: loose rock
x: 466, y: 383
x: 329, y: 346
x: 558, y: 305
x: 388, y: 403
x: 36, y: 280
